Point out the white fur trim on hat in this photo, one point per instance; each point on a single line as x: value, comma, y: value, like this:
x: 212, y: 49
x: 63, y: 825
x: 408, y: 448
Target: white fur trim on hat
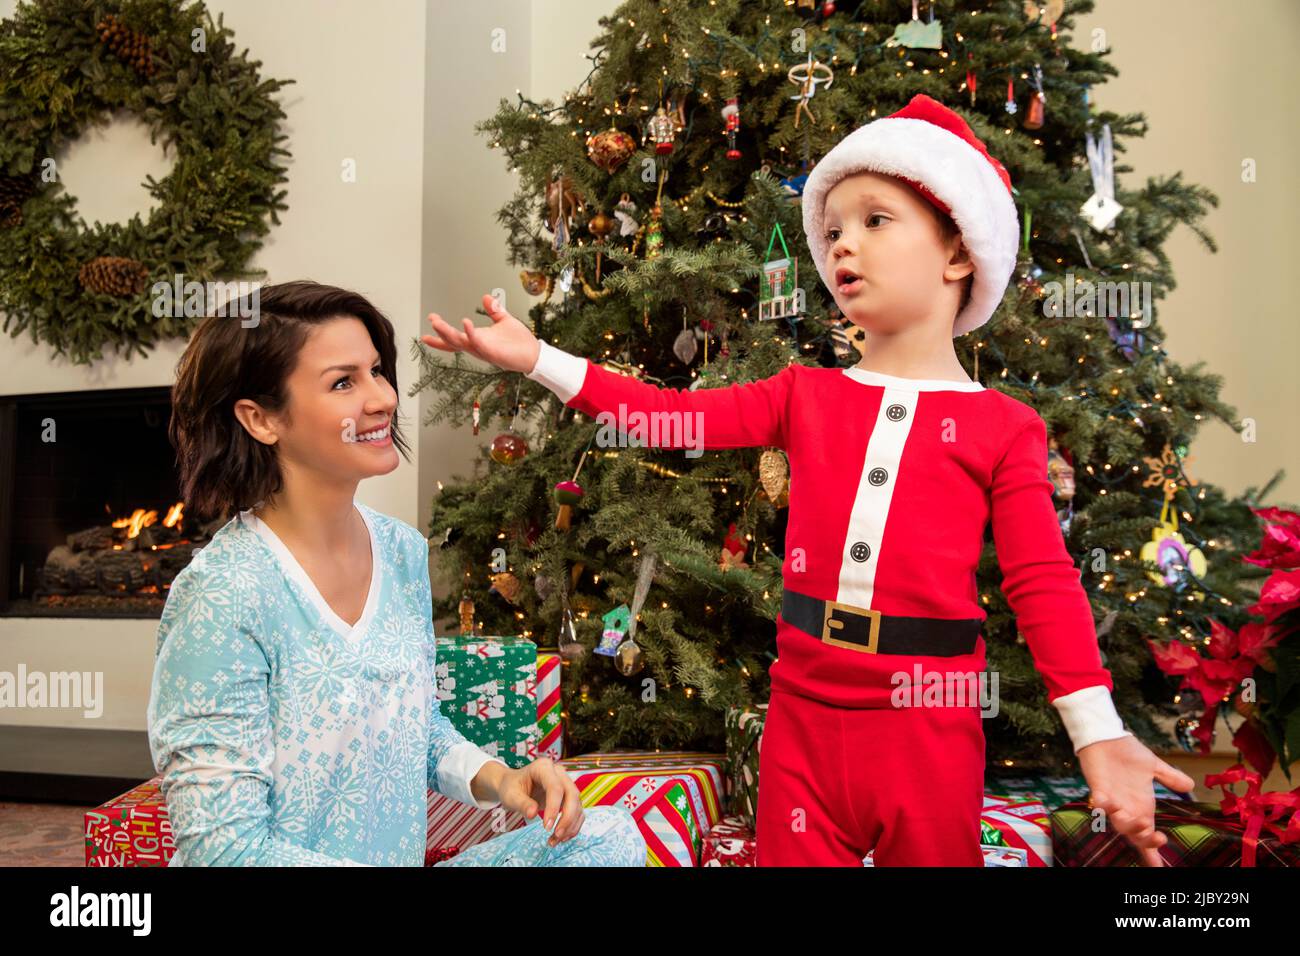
x: 955, y: 172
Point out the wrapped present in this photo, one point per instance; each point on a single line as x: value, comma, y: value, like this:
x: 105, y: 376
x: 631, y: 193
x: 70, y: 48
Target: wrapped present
x: 1055, y: 791
x: 1253, y: 829
x: 744, y: 732
x: 550, y: 729
x: 487, y: 688
x: 730, y: 842
x: 675, y: 796
x: 454, y: 826
x: 131, y: 830
x: 1019, y: 823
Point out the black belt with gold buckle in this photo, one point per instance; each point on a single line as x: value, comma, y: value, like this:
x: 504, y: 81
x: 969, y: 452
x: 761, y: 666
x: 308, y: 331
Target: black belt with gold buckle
x: 867, y: 630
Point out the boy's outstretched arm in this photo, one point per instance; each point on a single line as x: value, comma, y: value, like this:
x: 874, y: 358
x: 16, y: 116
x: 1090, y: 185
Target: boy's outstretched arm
x: 752, y: 414
x: 1053, y: 613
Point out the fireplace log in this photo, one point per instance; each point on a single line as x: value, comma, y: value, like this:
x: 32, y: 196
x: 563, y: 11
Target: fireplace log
x: 119, y: 569
x: 68, y: 569
x: 93, y: 539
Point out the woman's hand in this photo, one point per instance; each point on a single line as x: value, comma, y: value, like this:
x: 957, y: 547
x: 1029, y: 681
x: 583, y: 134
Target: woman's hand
x: 1119, y: 774
x: 543, y: 787
x: 507, y: 343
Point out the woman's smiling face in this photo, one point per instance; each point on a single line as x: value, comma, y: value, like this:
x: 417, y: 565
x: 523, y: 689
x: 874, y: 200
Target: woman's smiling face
x: 340, y: 405
x: 886, y: 256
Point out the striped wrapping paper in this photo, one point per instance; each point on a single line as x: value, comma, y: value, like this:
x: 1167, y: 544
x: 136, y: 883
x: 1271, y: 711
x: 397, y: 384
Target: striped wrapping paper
x: 455, y: 824
x: 549, y: 705
x: 1021, y: 822
x: 675, y: 796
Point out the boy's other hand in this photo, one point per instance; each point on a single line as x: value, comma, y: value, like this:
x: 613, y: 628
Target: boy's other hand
x: 507, y: 343
x: 1120, y: 774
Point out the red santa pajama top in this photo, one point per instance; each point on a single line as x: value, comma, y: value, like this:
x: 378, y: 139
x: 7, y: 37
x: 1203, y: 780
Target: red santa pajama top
x: 892, y: 482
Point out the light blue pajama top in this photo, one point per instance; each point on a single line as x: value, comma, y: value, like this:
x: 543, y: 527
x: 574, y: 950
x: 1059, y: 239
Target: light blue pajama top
x: 286, y: 736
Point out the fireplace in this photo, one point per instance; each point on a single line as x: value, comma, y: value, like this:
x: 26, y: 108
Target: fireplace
x: 91, y: 524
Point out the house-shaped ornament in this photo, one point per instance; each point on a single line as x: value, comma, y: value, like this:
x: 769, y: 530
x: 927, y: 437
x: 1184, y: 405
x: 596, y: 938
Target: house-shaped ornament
x: 776, y: 294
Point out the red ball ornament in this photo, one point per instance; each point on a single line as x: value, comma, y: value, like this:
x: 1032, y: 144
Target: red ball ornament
x: 610, y: 149
x: 508, y: 448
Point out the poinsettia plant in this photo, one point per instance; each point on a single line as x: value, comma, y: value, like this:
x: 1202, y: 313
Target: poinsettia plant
x: 1255, y: 669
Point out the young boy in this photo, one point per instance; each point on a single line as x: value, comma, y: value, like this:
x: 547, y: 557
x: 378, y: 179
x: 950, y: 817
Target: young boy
x: 896, y: 467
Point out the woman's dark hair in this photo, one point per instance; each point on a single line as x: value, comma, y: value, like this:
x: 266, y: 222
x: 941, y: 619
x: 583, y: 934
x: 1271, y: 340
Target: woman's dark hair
x: 223, y: 469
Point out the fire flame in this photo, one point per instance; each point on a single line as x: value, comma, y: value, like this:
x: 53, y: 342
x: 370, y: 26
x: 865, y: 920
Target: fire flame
x: 142, y: 519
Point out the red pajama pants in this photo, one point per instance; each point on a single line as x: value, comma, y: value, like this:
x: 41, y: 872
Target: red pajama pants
x: 837, y: 782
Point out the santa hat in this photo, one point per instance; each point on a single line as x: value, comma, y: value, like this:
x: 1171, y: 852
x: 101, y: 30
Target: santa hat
x: 931, y: 148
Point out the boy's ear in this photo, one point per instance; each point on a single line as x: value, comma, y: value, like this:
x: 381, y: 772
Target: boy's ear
x: 959, y: 263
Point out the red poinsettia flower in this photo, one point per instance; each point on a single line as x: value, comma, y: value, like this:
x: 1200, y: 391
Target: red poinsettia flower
x: 1280, y: 593
x: 1279, y: 546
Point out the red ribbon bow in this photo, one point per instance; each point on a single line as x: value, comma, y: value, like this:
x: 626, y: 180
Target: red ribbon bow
x: 1257, y: 810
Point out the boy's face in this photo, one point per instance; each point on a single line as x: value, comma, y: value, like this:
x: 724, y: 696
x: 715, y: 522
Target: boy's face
x: 884, y: 232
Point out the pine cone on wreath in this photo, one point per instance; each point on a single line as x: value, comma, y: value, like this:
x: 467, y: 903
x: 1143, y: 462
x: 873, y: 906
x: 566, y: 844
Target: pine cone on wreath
x: 114, y: 275
x: 131, y: 46
x: 14, y: 191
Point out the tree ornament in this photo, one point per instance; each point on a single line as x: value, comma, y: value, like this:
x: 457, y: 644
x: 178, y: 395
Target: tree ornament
x: 508, y: 448
x: 616, y: 625
x: 1167, y: 471
x: 1185, y: 732
x: 1171, y: 554
x: 776, y: 294
x: 466, y: 611
x: 507, y: 585
x: 625, y: 213
x: 449, y: 538
x: 1060, y: 470
x: 1101, y: 209
x: 918, y: 35
x: 1037, y: 103
x: 630, y: 658
x: 476, y: 416
x: 1011, y: 96
x: 562, y: 202
x: 733, y: 550
x: 773, y: 474
x: 971, y: 81
x: 848, y: 340
x: 806, y: 76
x: 610, y: 148
x: 662, y: 131
x: 567, y: 495
x: 571, y: 649
x: 731, y: 114
x: 1130, y: 341
x: 543, y: 586
x: 535, y: 281
x: 654, y: 237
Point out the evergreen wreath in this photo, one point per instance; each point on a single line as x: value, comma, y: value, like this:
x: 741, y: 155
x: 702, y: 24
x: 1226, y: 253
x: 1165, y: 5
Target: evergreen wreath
x: 65, y: 64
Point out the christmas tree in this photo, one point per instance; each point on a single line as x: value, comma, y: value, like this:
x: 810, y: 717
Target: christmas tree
x: 658, y: 224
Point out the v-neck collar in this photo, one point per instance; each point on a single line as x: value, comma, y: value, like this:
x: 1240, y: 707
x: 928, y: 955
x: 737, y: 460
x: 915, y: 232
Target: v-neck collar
x: 295, y: 571
x: 910, y: 384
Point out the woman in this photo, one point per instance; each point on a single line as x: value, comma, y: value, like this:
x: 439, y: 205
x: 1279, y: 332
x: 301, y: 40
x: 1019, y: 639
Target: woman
x: 293, y: 712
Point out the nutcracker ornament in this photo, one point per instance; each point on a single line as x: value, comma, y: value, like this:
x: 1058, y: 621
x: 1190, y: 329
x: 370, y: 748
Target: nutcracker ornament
x: 731, y: 115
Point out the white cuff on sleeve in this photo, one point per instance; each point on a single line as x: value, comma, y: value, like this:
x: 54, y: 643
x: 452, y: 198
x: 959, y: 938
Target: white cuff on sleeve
x: 559, y: 371
x: 1089, y: 715
x: 458, y: 767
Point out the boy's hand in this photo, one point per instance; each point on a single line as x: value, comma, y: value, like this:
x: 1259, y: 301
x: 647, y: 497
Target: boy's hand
x: 542, y: 787
x: 507, y: 343
x: 1119, y: 774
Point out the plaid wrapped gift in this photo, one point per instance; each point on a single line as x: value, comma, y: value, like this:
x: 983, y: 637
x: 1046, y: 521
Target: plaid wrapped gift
x: 487, y: 687
x: 744, y: 733
x: 549, y: 727
x: 675, y: 796
x: 131, y: 830
x: 1055, y: 791
x: 1200, y: 834
x: 1016, y: 822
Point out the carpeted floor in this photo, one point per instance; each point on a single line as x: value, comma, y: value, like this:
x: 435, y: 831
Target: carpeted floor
x: 42, y: 834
